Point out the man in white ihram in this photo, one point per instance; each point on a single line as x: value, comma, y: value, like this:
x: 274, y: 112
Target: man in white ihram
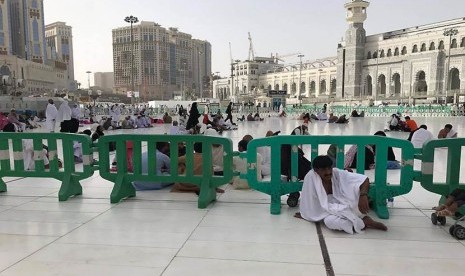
x: 50, y: 116
x: 337, y: 197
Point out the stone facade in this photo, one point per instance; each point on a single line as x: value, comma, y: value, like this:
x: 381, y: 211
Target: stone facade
x: 399, y: 65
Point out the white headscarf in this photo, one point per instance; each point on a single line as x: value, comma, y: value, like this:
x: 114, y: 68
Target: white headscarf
x: 64, y: 112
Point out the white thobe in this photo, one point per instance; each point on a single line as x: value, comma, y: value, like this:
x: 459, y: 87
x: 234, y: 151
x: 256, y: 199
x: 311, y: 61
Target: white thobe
x: 50, y: 117
x: 339, y: 210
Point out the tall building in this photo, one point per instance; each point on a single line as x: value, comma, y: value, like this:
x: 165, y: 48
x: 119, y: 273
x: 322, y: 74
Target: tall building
x: 59, y: 39
x: 104, y: 80
x: 27, y: 29
x: 414, y: 63
x: 161, y: 62
x: 201, y: 57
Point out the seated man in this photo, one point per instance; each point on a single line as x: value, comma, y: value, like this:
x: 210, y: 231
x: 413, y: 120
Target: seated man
x: 447, y: 132
x: 167, y: 119
x: 162, y: 167
x: 240, y: 165
x: 421, y: 136
x: 338, y: 198
x: 332, y: 118
x: 342, y: 120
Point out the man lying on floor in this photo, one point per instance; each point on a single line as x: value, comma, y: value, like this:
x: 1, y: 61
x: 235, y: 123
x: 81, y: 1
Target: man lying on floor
x: 337, y: 197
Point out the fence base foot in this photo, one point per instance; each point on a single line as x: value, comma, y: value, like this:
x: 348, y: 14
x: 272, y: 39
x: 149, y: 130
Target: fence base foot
x: 207, y: 195
x: 381, y: 210
x: 2, y: 186
x: 70, y: 186
x: 275, y: 207
x: 122, y: 189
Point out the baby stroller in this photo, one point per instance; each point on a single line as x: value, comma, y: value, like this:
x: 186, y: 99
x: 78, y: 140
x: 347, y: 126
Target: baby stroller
x: 453, y: 207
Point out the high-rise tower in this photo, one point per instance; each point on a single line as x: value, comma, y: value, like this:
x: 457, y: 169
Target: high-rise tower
x: 352, y: 52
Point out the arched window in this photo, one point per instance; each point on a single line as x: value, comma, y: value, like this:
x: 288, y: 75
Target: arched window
x: 368, y: 89
x: 323, y: 86
x: 312, y: 88
x: 421, y: 87
x: 462, y: 44
x: 453, y: 43
x: 415, y: 48
x: 276, y: 87
x: 293, y: 88
x: 432, y: 46
x: 333, y: 86
x: 397, y: 84
x: 381, y: 54
x: 285, y: 86
x: 369, y: 55
x: 269, y: 87
x: 302, y: 87
x: 423, y: 47
x: 382, y: 84
x: 441, y: 45
x: 389, y: 52
x: 375, y: 54
x: 396, y: 52
x: 404, y: 50
x: 454, y: 79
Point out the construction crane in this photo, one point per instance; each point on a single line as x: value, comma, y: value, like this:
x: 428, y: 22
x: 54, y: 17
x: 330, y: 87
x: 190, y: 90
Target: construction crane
x: 251, y: 52
x: 280, y: 58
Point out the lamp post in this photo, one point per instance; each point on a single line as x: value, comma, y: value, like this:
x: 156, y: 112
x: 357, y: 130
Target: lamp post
x: 450, y: 33
x: 88, y: 78
x: 200, y: 78
x: 300, y: 79
x: 132, y: 20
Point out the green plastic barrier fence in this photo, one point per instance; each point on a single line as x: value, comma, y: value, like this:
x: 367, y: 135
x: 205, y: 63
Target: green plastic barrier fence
x: 12, y: 163
x: 123, y: 177
x: 380, y: 191
x: 454, y: 153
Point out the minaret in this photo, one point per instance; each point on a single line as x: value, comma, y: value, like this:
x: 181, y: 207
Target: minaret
x: 352, y: 53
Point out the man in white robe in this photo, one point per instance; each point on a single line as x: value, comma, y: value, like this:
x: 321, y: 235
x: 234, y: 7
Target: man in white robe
x: 421, y: 136
x: 338, y: 198
x: 64, y: 117
x: 50, y: 116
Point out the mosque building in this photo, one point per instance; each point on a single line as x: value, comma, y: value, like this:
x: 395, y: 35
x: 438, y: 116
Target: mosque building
x: 416, y: 63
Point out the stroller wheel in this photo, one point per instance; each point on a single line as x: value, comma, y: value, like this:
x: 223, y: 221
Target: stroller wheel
x: 451, y: 230
x: 459, y: 232
x: 442, y: 220
x: 434, y: 218
x: 293, y: 199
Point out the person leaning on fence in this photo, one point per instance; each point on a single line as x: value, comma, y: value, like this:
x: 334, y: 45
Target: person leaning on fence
x: 337, y: 197
x: 447, y: 132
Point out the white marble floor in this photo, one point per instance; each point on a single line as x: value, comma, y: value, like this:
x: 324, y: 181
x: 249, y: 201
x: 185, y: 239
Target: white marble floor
x: 161, y: 233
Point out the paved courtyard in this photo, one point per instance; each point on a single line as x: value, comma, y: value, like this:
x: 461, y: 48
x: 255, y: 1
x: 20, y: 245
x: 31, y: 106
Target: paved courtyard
x: 163, y: 233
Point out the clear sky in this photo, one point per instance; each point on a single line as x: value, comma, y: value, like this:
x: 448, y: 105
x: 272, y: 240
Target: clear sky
x: 310, y: 27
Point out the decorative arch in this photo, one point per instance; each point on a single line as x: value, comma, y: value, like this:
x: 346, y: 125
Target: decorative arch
x: 381, y: 54
x: 293, y: 87
x: 302, y: 87
x: 453, y: 43
x: 423, y: 47
x: 285, y: 86
x: 369, y: 55
x: 276, y: 87
x: 396, y: 83
x: 333, y: 86
x: 382, y: 84
x: 404, y: 50
x: 432, y: 46
x: 322, y: 86
x: 396, y: 51
x: 389, y: 53
x: 454, y: 79
x: 441, y: 45
x: 375, y: 54
x: 312, y: 88
x: 269, y: 87
x: 421, y: 86
x: 368, y: 86
x: 415, y: 48
x: 462, y: 44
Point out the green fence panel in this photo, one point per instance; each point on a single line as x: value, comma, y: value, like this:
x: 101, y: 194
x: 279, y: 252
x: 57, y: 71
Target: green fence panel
x: 454, y: 153
x: 380, y: 190
x: 123, y: 177
x: 12, y: 163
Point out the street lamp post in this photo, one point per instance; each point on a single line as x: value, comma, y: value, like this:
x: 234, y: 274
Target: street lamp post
x: 447, y: 83
x: 132, y: 20
x: 88, y: 78
x: 300, y: 79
